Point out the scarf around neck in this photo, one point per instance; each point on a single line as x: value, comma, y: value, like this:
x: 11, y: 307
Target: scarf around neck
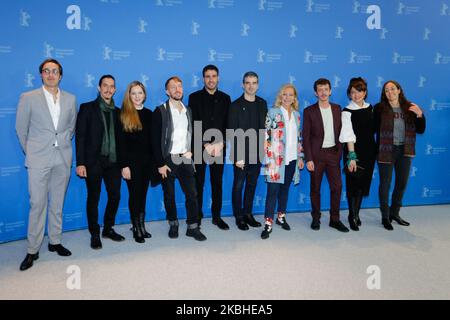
x: 109, y: 141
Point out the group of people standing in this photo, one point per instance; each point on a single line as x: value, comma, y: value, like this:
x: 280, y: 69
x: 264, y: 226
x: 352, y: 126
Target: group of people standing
x: 148, y: 148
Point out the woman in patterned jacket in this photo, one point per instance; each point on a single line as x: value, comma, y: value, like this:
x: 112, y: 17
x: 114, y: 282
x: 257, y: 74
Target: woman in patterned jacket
x: 283, y: 155
x: 397, y: 121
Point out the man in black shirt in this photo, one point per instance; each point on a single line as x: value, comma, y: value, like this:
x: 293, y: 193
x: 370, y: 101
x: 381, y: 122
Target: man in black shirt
x: 210, y: 110
x: 246, y: 118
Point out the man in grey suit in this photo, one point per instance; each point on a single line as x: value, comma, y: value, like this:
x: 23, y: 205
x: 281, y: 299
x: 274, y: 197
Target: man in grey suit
x: 45, y: 124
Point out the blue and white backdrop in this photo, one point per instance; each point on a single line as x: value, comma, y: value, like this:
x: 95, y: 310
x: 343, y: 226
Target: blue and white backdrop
x: 293, y: 41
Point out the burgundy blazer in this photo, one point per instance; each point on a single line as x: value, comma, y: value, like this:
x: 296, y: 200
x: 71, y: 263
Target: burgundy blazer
x: 313, y: 131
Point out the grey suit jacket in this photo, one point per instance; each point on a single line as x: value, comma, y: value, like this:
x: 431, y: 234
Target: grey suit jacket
x: 36, y: 131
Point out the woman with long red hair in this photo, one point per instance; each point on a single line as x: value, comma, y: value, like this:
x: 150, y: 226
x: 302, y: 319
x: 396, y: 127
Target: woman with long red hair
x: 135, y: 155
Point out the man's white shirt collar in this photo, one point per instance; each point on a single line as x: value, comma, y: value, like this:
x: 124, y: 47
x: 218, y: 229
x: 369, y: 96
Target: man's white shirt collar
x: 50, y: 95
x: 173, y: 108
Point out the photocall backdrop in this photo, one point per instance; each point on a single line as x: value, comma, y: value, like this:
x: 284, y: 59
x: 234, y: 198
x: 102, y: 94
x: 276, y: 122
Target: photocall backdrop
x: 294, y: 41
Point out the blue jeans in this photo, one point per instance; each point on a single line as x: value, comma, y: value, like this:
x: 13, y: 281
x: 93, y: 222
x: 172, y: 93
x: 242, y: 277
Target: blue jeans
x: 249, y: 175
x: 279, y: 191
x: 401, y: 165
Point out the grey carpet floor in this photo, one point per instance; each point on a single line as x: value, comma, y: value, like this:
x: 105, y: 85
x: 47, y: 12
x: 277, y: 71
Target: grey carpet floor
x: 411, y: 262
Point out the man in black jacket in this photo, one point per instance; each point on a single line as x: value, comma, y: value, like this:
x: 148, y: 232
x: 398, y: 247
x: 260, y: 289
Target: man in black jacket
x: 210, y: 110
x: 171, y: 144
x: 96, y: 138
x: 246, y: 118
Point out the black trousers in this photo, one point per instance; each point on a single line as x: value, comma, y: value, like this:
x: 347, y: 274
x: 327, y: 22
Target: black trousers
x: 184, y: 172
x: 401, y: 165
x: 248, y: 176
x: 216, y: 174
x: 110, y: 174
x: 137, y: 189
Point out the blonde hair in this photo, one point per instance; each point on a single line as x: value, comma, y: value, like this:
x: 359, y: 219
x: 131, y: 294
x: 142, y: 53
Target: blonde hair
x: 278, y: 102
x: 128, y: 114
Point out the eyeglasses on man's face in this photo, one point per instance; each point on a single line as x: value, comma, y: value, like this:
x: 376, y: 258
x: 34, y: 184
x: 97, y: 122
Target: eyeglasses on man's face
x: 47, y: 71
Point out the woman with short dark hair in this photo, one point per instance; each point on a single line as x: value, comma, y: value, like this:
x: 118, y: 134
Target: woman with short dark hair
x: 358, y: 136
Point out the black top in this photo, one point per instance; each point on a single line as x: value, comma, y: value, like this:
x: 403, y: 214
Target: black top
x: 136, y: 147
x: 246, y: 115
x: 363, y: 125
x: 211, y: 110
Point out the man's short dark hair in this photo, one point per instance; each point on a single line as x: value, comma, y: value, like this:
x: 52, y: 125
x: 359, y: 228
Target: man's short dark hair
x: 321, y: 81
x: 174, y: 78
x: 250, y: 74
x: 210, y: 67
x: 106, y: 76
x: 51, y: 60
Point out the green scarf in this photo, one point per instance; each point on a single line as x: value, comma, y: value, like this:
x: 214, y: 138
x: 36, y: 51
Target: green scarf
x: 109, y: 141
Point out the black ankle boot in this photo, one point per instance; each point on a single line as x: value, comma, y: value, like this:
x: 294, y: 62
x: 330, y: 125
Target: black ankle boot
x: 137, y: 231
x: 142, y: 224
x: 352, y: 222
x: 351, y: 214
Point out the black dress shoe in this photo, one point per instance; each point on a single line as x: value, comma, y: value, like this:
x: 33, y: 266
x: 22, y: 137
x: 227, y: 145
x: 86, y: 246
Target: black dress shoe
x: 282, y: 222
x: 250, y: 220
x: 196, y: 234
x: 399, y: 220
x: 267, y: 231
x: 60, y: 250
x: 111, y: 234
x: 315, y: 224
x: 220, y: 223
x: 387, y: 224
x: 338, y: 225
x: 173, y: 232
x: 27, y: 263
x: 241, y: 224
x: 96, y: 243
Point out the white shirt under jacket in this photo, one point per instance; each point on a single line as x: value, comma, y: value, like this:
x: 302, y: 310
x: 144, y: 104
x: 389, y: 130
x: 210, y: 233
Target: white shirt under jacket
x: 180, y: 129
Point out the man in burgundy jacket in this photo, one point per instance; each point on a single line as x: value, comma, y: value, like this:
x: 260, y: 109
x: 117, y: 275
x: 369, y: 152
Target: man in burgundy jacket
x: 321, y: 128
